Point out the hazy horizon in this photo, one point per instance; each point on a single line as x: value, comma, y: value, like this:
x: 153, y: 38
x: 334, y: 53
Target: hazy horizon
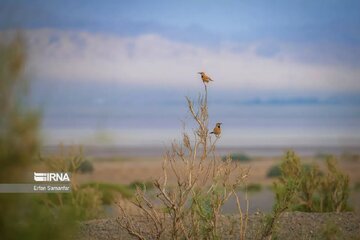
x: 111, y: 115
x: 118, y: 72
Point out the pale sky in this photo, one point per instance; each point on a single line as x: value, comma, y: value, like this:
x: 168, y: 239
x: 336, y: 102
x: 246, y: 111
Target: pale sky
x: 255, y: 45
x: 282, y: 69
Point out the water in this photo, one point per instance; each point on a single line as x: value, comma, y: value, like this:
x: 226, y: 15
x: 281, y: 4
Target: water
x: 246, y: 126
x: 111, y: 114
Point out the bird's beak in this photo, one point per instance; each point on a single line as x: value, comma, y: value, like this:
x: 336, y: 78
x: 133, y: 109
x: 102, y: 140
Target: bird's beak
x: 199, y: 72
x: 220, y: 123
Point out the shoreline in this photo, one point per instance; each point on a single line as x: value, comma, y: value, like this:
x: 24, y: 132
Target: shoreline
x: 253, y: 151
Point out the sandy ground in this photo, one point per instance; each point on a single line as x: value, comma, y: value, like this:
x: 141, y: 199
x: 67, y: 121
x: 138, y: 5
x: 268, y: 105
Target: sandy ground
x: 130, y: 169
x: 292, y: 225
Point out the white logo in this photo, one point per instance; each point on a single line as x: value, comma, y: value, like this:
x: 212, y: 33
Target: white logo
x: 51, y: 177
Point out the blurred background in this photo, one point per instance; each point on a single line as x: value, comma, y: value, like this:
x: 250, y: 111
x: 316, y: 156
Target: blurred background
x: 112, y: 77
x: 116, y: 73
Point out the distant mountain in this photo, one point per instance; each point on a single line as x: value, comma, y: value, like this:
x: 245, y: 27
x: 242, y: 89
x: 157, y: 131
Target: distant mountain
x: 304, y: 100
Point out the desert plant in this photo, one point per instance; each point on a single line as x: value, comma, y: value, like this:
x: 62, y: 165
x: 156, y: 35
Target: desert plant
x: 357, y: 186
x: 19, y: 138
x: 86, y: 201
x: 306, y: 188
x: 318, y: 191
x: 285, y: 192
x: 190, y: 208
x: 274, y: 171
x: 145, y: 185
x: 334, y: 189
x: 110, y: 190
x: 86, y: 166
x: 22, y: 215
x: 238, y: 157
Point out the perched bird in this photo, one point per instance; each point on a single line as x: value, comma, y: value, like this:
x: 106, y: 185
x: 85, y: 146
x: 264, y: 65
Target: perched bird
x: 217, y: 130
x: 205, y: 77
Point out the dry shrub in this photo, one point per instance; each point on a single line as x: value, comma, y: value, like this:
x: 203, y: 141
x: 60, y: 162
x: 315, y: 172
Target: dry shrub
x: 190, y: 208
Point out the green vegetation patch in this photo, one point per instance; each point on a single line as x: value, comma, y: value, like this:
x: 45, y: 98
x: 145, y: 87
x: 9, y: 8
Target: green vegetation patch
x: 322, y: 156
x: 109, y: 191
x: 357, y: 186
x: 239, y: 157
x: 254, y: 187
x: 86, y: 166
x: 147, y: 185
x: 251, y: 188
x: 314, y: 190
x: 274, y: 171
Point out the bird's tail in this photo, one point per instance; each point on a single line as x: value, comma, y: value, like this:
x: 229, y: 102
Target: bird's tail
x: 212, y: 133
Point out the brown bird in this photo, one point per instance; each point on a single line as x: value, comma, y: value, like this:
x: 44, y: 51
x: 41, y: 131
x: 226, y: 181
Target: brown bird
x: 205, y: 77
x: 217, y: 130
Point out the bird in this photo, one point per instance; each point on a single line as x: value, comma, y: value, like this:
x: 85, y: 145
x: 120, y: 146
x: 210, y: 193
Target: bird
x: 205, y: 78
x: 217, y: 130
